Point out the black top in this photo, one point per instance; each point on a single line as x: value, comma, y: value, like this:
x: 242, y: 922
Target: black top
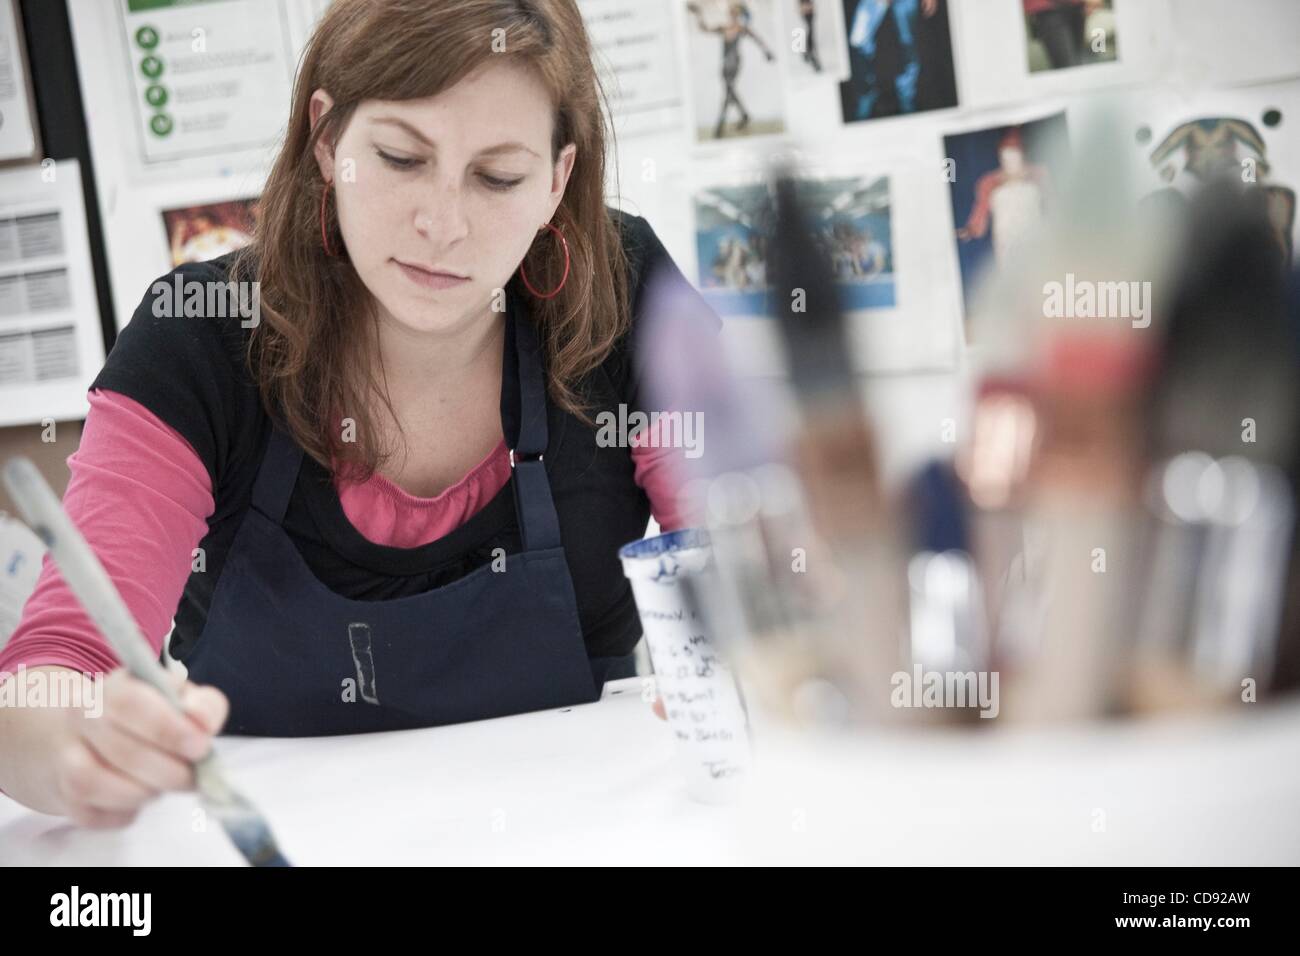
x: 192, y: 373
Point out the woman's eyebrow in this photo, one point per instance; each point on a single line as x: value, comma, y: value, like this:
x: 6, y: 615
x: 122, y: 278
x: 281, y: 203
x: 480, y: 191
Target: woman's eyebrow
x: 511, y: 147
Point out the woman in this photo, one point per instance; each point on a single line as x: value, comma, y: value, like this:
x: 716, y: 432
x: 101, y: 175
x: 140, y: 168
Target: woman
x: 736, y: 29
x: 378, y: 500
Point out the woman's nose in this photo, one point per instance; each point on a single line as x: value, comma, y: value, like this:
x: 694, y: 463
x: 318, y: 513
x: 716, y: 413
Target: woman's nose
x: 442, y: 219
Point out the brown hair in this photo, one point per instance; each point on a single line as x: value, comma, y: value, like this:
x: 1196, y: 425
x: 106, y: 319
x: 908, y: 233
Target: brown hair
x: 312, y: 350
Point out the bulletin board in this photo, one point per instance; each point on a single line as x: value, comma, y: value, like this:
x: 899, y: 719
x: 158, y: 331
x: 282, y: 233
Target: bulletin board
x: 874, y: 97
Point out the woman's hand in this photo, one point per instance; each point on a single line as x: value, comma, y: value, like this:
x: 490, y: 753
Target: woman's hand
x: 99, y: 765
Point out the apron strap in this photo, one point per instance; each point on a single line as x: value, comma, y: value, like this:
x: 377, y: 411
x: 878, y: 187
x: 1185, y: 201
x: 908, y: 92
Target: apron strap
x: 277, y: 475
x: 539, y: 526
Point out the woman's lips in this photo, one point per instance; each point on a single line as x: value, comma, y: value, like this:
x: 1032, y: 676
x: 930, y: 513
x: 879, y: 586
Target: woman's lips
x: 430, y: 280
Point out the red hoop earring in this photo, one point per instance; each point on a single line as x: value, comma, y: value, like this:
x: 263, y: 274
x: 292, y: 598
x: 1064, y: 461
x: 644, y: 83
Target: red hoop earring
x: 324, y: 236
x: 563, y: 279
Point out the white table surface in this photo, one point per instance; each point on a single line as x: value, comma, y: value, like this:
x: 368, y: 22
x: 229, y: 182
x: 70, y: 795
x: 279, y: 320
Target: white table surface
x: 598, y: 784
x: 589, y: 784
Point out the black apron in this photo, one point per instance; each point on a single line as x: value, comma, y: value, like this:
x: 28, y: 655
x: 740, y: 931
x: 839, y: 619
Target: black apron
x: 296, y: 659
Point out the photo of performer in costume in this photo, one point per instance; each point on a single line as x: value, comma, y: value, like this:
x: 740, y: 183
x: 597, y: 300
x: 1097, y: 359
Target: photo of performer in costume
x: 1200, y: 150
x: 1001, y: 190
x: 1066, y: 33
x: 733, y: 32
x: 900, y: 53
x: 1009, y: 200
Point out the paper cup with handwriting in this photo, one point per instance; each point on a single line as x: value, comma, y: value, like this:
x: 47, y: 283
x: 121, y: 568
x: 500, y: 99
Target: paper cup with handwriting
x: 699, y: 692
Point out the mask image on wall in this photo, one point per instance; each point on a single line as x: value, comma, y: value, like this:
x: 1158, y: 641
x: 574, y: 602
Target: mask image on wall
x: 1201, y: 150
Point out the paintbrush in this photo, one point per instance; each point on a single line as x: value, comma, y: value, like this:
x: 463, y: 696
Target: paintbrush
x: 834, y: 454
x: 1082, y: 509
x: 993, y: 466
x: 1221, y: 421
x: 92, y: 586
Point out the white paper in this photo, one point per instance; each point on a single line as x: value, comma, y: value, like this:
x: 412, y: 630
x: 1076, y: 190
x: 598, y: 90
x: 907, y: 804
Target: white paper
x: 993, y: 63
x: 17, y: 135
x: 208, y: 76
x: 917, y: 325
x: 700, y: 695
x: 51, y: 341
x: 635, y: 57
x: 757, y: 83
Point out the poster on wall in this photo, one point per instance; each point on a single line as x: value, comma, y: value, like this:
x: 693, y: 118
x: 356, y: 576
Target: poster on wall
x: 814, y: 30
x: 879, y: 225
x: 51, y: 342
x: 18, y: 138
x: 208, y: 76
x: 901, y: 59
x: 1002, y: 184
x: 1063, y: 34
x: 636, y: 57
x: 1251, y: 134
x: 199, y: 233
x: 1014, y: 51
x: 850, y: 216
x: 732, y: 69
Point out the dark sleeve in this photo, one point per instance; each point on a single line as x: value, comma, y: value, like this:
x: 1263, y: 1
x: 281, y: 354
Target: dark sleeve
x: 185, y: 365
x: 656, y: 283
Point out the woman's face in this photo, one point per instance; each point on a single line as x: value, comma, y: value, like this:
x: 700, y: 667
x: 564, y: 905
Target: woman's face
x: 456, y: 183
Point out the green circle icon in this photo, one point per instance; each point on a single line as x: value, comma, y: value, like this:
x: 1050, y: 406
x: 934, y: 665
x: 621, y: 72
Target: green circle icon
x: 160, y: 124
x: 151, y: 67
x: 146, y: 38
x: 155, y: 95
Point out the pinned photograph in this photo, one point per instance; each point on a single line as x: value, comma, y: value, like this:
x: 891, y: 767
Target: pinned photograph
x: 199, y: 233
x: 815, y: 31
x: 1066, y: 33
x: 1196, y: 151
x: 900, y: 59
x: 731, y: 223
x: 851, y: 217
x: 735, y: 79
x: 1001, y: 188
x: 852, y: 220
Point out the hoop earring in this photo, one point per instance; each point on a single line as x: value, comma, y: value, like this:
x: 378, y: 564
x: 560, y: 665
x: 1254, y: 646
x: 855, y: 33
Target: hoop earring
x: 324, y: 236
x: 563, y: 279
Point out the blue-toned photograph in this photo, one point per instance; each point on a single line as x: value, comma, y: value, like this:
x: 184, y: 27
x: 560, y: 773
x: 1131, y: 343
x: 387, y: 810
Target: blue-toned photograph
x: 900, y: 59
x: 852, y: 219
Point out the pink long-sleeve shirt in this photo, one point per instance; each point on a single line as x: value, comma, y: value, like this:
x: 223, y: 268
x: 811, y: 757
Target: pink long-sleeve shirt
x: 141, y: 496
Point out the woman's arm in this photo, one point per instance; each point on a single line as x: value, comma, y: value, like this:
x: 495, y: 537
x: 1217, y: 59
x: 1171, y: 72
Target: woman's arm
x: 761, y: 45
x: 660, y: 472
x: 141, y: 496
